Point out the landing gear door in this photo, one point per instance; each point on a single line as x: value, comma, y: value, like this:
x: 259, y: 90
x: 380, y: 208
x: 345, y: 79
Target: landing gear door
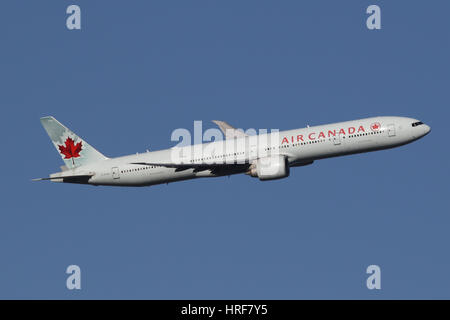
x: 115, y: 173
x: 391, y: 130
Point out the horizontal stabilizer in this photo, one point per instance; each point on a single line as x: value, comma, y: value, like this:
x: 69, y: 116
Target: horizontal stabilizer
x: 67, y: 177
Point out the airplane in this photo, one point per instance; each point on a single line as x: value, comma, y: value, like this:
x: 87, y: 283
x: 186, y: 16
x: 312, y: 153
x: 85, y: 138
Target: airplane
x: 267, y: 156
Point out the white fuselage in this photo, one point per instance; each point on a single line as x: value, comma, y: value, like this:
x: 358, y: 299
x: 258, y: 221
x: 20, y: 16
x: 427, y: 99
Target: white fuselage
x: 298, y: 146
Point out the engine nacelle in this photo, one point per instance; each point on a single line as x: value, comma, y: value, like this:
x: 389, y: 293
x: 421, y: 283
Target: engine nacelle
x: 270, y: 168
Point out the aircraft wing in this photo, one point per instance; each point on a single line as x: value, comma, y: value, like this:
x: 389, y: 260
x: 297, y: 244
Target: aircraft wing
x: 229, y: 131
x: 187, y: 165
x: 216, y: 168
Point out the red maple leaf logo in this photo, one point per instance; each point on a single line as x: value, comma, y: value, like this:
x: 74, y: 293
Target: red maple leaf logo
x: 70, y: 150
x: 375, y: 126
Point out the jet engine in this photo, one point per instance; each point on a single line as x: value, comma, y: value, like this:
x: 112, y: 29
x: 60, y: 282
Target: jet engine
x: 270, y: 168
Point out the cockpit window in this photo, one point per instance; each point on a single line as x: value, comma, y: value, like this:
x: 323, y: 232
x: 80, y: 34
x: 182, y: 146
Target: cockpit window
x: 415, y: 124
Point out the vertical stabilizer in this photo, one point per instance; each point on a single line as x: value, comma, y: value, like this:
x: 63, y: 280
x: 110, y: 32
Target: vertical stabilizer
x: 74, y: 151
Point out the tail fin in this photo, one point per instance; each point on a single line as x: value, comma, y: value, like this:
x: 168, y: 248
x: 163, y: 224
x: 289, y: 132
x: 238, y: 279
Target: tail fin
x: 74, y: 151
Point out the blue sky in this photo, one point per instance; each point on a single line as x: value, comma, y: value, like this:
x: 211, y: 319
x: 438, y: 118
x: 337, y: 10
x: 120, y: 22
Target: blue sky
x: 139, y: 69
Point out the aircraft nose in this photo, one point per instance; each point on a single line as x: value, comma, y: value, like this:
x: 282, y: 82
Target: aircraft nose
x: 419, y: 129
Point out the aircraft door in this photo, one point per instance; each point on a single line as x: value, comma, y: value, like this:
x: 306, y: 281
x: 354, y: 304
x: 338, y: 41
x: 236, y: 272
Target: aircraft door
x: 337, y: 140
x: 391, y: 130
x: 115, y: 173
x: 253, y: 145
x: 253, y: 151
